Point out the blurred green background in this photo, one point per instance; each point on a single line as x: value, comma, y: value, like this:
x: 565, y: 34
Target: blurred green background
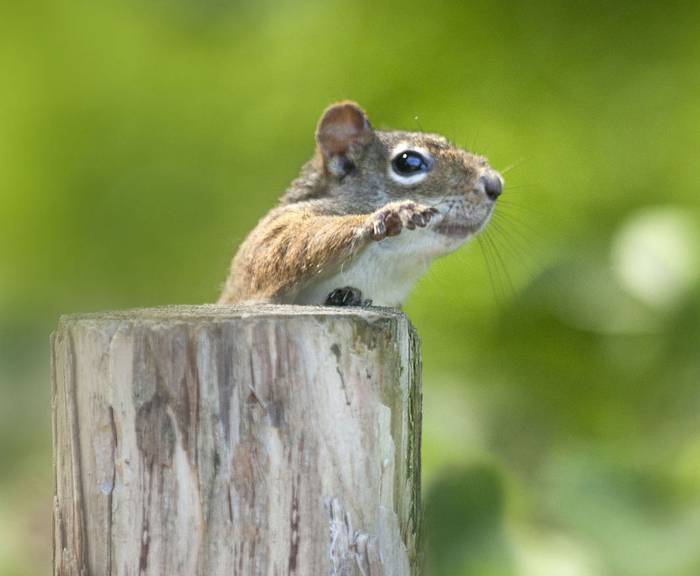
x: 141, y: 140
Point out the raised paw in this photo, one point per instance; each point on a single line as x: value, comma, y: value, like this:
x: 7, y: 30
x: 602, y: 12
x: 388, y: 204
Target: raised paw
x: 392, y: 218
x: 347, y: 296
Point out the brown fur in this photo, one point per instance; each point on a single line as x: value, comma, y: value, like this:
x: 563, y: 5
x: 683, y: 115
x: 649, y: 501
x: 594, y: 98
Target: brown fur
x: 288, y: 247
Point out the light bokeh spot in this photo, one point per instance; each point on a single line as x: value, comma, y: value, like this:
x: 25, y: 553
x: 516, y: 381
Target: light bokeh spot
x: 655, y: 255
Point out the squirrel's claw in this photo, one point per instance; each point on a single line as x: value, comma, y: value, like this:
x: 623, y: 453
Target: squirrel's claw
x: 390, y: 220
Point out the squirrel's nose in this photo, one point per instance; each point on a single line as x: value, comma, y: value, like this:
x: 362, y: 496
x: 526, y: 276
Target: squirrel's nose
x: 493, y: 184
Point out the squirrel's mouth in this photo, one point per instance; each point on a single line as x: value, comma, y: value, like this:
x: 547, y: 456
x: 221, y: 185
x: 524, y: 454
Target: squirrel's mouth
x: 458, y: 229
x: 460, y: 220
x: 462, y: 227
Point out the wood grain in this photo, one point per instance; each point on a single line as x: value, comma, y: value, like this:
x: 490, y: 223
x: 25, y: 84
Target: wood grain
x: 258, y: 440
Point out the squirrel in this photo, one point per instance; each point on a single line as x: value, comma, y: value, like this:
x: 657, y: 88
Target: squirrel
x: 365, y: 217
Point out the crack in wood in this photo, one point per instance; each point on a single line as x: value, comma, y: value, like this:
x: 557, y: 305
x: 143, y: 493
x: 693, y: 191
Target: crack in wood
x: 336, y: 352
x: 294, y: 528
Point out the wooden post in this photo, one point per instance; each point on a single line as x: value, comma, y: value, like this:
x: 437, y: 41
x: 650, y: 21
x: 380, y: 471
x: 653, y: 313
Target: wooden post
x: 219, y: 440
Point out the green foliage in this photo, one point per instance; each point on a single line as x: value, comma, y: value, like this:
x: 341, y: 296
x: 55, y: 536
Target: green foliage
x: 140, y: 141
x: 463, y: 524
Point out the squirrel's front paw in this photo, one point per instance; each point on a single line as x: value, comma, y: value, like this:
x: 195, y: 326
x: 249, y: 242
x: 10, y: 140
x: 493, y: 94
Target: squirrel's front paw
x: 392, y: 218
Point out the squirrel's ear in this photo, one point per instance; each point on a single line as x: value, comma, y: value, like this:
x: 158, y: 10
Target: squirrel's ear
x: 342, y: 133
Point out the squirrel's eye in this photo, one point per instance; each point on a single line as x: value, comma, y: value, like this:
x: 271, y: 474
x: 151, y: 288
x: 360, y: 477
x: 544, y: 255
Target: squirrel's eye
x: 410, y: 162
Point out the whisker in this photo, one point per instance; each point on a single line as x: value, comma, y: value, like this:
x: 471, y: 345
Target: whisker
x: 516, y: 224
x: 514, y: 245
x: 511, y: 230
x: 511, y: 166
x: 513, y: 214
x: 445, y: 199
x: 526, y: 207
x: 519, y: 187
x: 507, y: 284
x: 495, y: 273
x: 484, y: 254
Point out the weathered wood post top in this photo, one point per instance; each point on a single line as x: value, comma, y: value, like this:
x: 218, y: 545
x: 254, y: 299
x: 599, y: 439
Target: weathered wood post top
x: 237, y: 440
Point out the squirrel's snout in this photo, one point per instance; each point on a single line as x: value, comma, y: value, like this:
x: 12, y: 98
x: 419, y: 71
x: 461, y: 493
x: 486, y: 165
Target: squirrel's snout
x: 492, y: 183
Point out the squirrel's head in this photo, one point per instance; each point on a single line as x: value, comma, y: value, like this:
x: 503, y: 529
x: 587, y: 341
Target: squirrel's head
x: 373, y: 167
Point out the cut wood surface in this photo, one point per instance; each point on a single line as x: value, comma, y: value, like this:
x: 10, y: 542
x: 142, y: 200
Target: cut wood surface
x: 246, y: 440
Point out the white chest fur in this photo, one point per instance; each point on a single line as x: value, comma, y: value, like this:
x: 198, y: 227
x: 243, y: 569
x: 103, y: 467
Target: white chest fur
x: 385, y: 271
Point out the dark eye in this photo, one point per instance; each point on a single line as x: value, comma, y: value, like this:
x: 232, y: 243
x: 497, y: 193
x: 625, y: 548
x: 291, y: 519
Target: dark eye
x: 410, y: 162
